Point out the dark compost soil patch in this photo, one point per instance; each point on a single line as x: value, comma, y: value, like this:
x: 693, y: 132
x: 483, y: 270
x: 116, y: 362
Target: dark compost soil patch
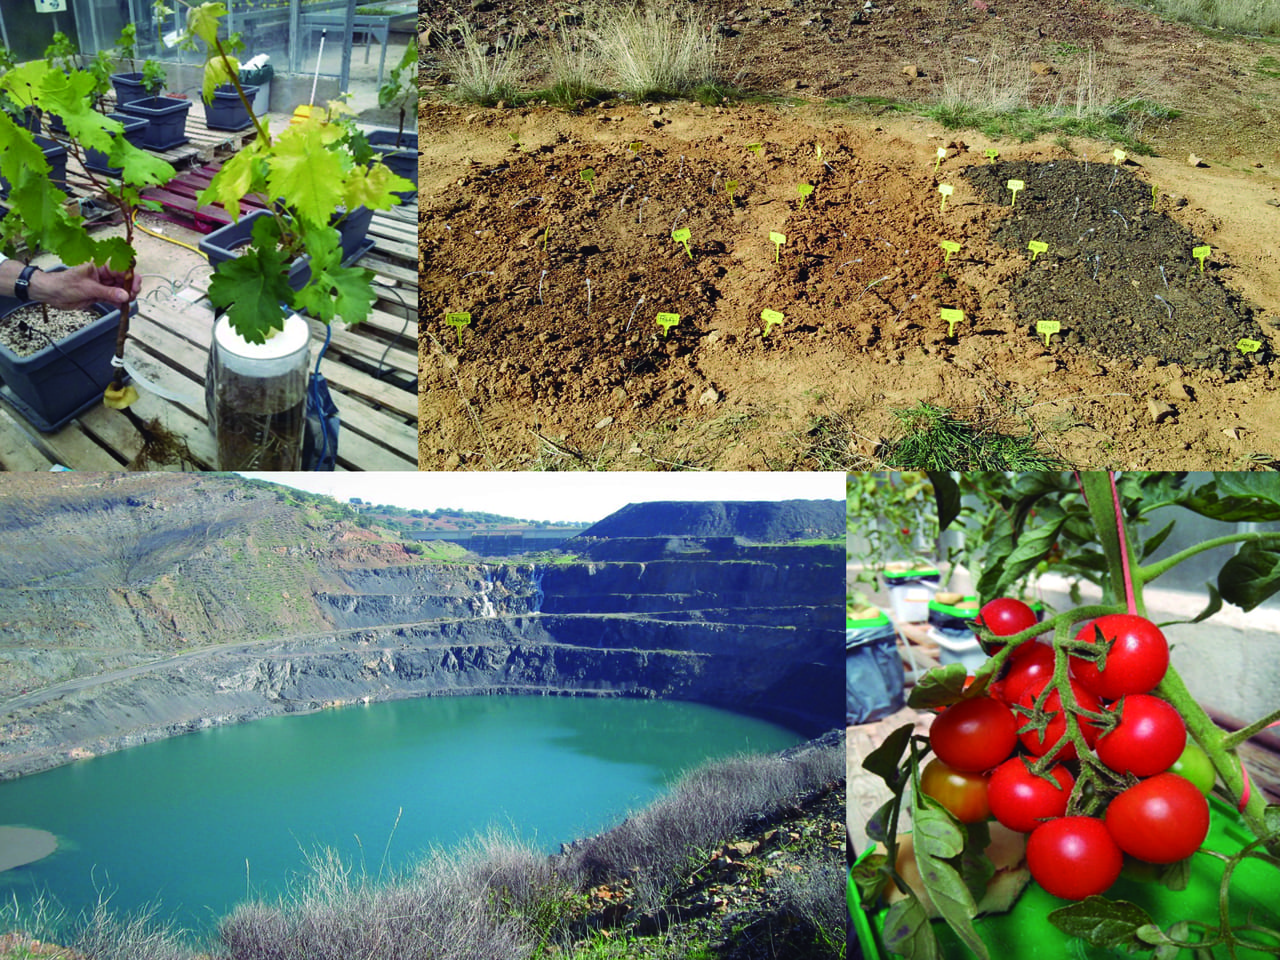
x: 1119, y: 274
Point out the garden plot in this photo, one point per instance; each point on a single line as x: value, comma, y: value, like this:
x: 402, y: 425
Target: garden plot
x: 553, y: 235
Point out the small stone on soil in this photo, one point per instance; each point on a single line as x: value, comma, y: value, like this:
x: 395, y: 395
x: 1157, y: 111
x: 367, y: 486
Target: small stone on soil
x: 1159, y: 410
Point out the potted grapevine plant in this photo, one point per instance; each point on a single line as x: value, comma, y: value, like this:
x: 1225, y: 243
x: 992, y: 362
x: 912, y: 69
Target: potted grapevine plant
x: 400, y: 152
x: 313, y: 170
x: 72, y: 373
x: 1085, y: 745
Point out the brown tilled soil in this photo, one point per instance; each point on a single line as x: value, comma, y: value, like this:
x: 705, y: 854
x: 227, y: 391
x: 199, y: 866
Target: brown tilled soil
x: 563, y: 363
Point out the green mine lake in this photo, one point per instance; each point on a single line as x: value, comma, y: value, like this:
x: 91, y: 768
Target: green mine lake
x: 194, y: 822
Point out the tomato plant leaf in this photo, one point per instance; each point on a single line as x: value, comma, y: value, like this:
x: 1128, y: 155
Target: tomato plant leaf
x: 938, y: 839
x: 878, y: 823
x: 1168, y: 950
x: 940, y: 687
x: 1153, y: 542
x: 1251, y: 576
x: 1235, y: 497
x: 869, y: 875
x: 1175, y: 876
x: 946, y: 493
x: 1102, y: 922
x: 1271, y: 819
x: 908, y: 932
x: 1033, y: 546
x: 883, y: 761
x: 976, y: 868
x: 1214, y: 605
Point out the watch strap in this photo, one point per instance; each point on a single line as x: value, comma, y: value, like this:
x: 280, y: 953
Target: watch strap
x: 22, y: 286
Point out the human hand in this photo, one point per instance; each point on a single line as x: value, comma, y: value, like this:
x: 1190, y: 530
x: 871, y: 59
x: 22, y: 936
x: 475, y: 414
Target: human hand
x: 77, y: 288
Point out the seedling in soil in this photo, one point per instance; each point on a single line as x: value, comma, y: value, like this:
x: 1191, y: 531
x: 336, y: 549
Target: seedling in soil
x: 778, y: 240
x: 992, y: 153
x: 682, y: 236
x: 639, y: 304
x: 870, y: 285
x: 1167, y: 305
x: 1201, y: 254
x: 805, y: 190
x: 515, y: 140
x: 942, y: 155
x: 755, y: 148
x: 1248, y: 346
x: 1047, y: 328
x: 950, y: 246
x: 1036, y: 247
x: 545, y: 234
x: 1014, y: 186
x: 540, y: 279
x: 952, y: 317
x: 458, y: 320
x: 666, y: 321
x: 946, y: 190
x: 770, y: 317
x: 589, y: 175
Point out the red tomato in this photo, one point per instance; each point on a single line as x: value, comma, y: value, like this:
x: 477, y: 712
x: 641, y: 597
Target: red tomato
x: 1021, y: 800
x: 1005, y: 616
x: 1073, y: 857
x: 963, y: 794
x: 1163, y: 819
x: 1058, y: 723
x: 1137, y: 661
x: 1149, y: 738
x: 974, y: 735
x: 1033, y: 666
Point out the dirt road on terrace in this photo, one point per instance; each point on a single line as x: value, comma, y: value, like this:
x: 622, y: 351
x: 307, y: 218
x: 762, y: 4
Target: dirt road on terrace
x: 563, y: 363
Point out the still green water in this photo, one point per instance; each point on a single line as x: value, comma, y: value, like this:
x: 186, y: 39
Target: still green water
x: 181, y: 821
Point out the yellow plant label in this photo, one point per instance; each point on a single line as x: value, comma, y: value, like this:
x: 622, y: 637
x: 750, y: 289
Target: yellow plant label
x: 805, y: 190
x: 459, y: 320
x: 946, y: 190
x: 731, y: 185
x: 1201, y: 254
x: 636, y: 145
x: 666, y: 321
x: 942, y: 155
x: 992, y: 153
x: 952, y: 317
x: 1119, y: 155
x: 778, y: 240
x: 1015, y: 186
x: 1036, y: 247
x: 770, y: 317
x: 682, y: 236
x: 755, y: 148
x: 950, y: 246
x: 1047, y: 328
x: 817, y: 149
x: 1249, y: 346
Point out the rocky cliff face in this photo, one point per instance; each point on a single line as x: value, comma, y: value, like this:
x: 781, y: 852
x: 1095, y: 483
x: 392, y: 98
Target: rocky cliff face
x: 235, y: 605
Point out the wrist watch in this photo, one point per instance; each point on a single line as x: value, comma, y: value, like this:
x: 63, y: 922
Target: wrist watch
x: 21, y: 286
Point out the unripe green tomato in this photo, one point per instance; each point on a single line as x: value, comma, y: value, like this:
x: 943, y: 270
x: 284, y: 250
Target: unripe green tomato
x: 1195, y: 765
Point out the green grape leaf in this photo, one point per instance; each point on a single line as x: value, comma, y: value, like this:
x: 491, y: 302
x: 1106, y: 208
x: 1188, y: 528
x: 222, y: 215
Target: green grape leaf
x: 239, y: 176
x: 1102, y: 922
x: 340, y: 292
x: 138, y: 168
x: 374, y: 187
x: 308, y: 176
x: 251, y: 287
x: 202, y: 21
x: 217, y: 71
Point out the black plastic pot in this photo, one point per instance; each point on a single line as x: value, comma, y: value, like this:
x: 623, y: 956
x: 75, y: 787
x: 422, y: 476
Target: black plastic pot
x: 128, y: 87
x: 402, y: 159
x: 56, y: 154
x: 55, y: 384
x: 225, y: 111
x: 135, y: 131
x: 168, y: 120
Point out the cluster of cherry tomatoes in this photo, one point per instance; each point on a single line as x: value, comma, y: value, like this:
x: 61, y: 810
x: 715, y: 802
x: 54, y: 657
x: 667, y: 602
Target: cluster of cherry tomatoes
x: 982, y: 765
